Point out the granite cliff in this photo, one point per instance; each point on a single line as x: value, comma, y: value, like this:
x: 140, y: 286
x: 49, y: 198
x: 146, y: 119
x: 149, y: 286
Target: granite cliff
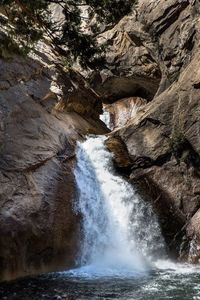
x: 154, y: 54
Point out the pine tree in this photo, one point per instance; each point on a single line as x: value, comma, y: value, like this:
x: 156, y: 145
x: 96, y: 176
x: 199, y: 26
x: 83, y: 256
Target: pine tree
x: 28, y: 21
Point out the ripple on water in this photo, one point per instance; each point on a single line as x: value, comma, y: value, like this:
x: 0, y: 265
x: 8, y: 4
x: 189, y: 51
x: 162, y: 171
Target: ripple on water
x: 71, y: 285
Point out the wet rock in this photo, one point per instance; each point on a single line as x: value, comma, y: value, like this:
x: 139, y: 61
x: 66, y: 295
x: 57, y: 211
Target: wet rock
x: 121, y: 157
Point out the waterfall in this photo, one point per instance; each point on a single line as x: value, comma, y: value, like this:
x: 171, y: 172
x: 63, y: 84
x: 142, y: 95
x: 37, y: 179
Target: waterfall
x: 120, y: 233
x: 105, y: 117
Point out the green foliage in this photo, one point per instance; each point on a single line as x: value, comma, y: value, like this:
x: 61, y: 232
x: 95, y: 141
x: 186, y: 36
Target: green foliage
x: 29, y: 21
x: 7, y: 47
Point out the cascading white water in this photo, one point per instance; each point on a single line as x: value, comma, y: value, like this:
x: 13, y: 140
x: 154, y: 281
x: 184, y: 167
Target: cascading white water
x: 105, y: 117
x: 120, y: 231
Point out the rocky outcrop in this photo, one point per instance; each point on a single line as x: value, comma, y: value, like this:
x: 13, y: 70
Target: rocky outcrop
x: 147, y: 50
x: 131, y: 68
x: 123, y: 111
x: 43, y: 111
x: 163, y: 139
x: 121, y: 157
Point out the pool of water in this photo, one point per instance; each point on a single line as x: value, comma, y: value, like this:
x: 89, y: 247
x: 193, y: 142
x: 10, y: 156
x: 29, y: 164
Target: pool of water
x: 175, y: 282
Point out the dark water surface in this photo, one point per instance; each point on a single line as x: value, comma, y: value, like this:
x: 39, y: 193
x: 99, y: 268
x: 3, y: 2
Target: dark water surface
x: 182, y: 283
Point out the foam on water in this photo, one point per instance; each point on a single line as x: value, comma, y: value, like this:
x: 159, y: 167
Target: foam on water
x: 180, y: 268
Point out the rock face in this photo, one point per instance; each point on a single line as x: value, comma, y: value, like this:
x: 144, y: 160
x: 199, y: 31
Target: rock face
x: 123, y: 111
x: 43, y: 111
x: 131, y: 68
x: 163, y: 140
x: 148, y: 49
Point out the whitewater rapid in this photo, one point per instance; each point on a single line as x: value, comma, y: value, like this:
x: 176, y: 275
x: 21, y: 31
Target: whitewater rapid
x: 120, y: 233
